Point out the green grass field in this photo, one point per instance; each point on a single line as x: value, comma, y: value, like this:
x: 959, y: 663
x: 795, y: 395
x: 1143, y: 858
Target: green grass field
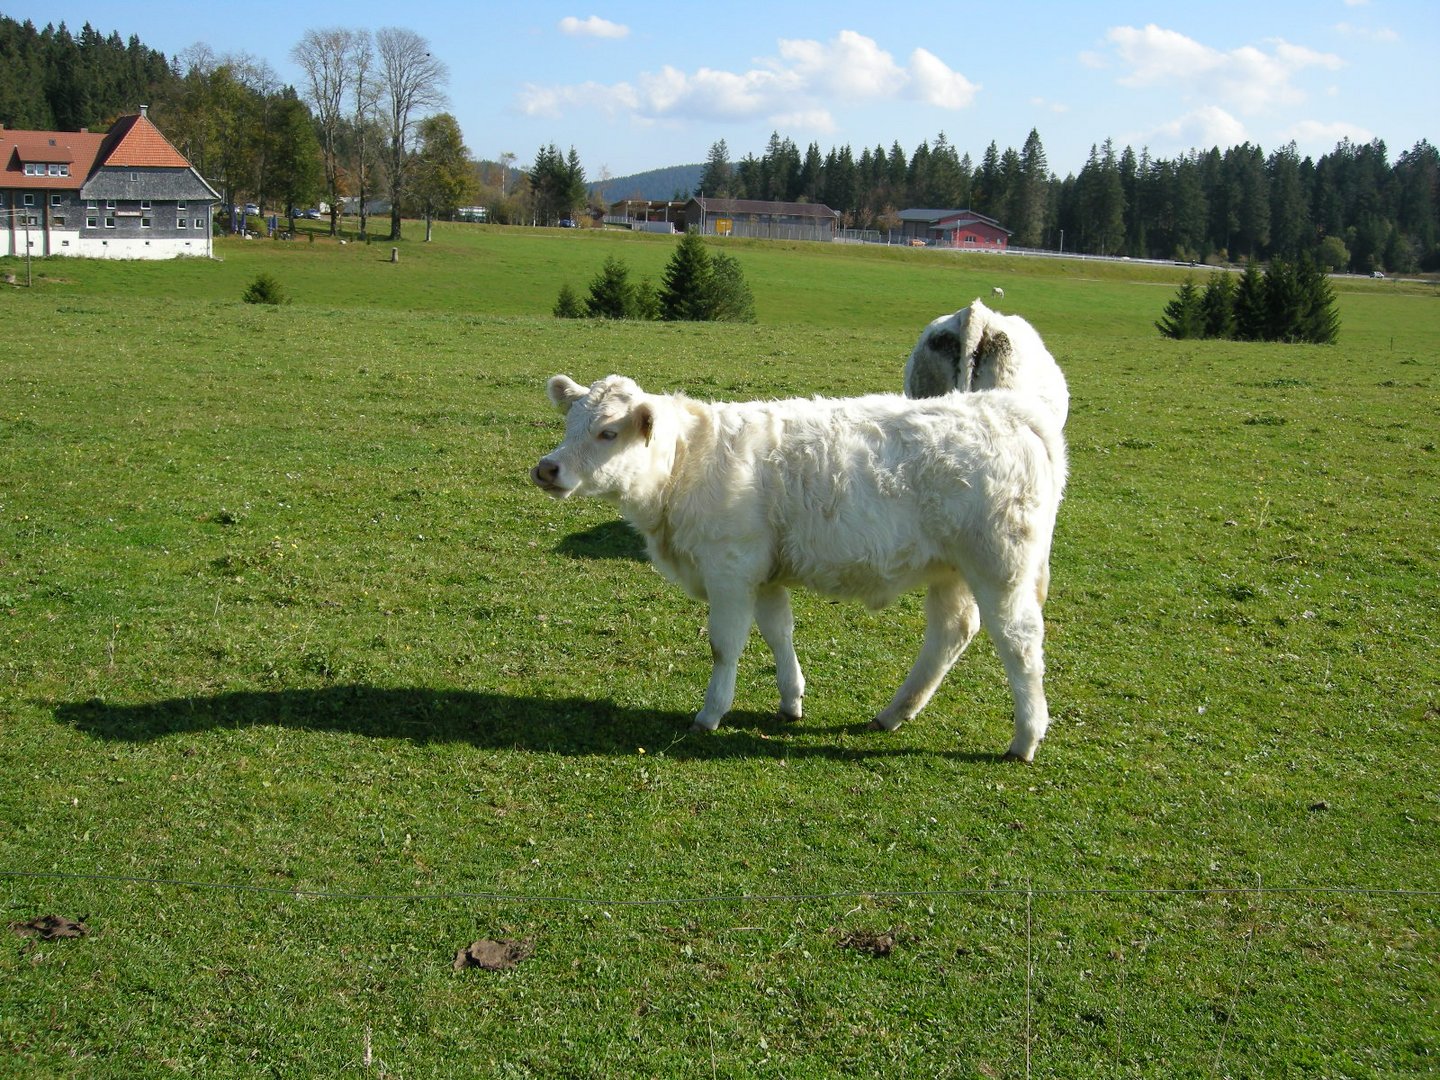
x: 304, y: 688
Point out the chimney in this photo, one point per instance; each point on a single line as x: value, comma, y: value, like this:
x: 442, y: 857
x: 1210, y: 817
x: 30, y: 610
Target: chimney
x: 145, y: 111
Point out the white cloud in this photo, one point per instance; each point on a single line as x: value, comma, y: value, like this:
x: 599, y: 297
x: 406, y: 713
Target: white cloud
x: 594, y: 26
x: 1321, y: 137
x: 800, y: 84
x: 936, y: 84
x: 1057, y: 107
x: 1204, y: 127
x: 1249, y: 78
x: 1384, y: 35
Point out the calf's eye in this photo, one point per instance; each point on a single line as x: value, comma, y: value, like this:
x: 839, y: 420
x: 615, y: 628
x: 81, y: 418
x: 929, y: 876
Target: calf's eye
x: 608, y: 435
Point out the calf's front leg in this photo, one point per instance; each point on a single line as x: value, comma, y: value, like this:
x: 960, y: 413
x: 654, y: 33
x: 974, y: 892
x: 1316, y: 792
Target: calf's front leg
x: 732, y: 611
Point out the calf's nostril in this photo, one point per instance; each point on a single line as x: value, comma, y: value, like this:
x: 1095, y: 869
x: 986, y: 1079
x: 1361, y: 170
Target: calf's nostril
x: 546, y: 472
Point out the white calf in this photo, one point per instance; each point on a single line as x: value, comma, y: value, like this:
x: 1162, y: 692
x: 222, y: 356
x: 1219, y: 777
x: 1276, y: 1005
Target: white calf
x: 979, y: 349
x: 998, y: 293
x: 864, y: 498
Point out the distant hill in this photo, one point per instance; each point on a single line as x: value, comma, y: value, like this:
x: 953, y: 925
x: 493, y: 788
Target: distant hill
x: 655, y: 184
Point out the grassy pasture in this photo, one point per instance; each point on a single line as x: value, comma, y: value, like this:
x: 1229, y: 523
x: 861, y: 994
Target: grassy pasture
x: 303, y: 688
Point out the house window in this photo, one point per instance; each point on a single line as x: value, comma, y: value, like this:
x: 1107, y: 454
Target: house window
x: 29, y: 199
x: 144, y: 204
x: 58, y: 222
x: 179, y: 206
x: 199, y: 223
x: 109, y: 221
x: 32, y: 220
x: 145, y: 222
x: 109, y: 204
x: 55, y: 201
x: 31, y: 169
x: 92, y: 204
x: 91, y: 221
x: 57, y: 170
x: 179, y: 223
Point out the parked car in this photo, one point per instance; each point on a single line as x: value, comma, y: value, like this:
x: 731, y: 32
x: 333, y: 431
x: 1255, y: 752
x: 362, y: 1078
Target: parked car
x: 252, y: 208
x: 568, y: 223
x: 312, y: 214
x: 1376, y: 274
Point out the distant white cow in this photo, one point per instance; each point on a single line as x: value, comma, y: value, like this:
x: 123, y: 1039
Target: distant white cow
x: 863, y: 498
x: 998, y: 293
x: 979, y: 349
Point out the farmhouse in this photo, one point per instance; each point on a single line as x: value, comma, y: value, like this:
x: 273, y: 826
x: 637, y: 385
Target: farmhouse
x: 729, y: 217
x: 954, y: 228
x: 124, y: 194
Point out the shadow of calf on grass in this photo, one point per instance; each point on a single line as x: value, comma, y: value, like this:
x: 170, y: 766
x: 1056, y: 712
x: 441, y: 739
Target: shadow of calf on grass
x: 570, y: 726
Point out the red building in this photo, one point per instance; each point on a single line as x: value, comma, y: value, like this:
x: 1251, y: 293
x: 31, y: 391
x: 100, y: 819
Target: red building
x: 964, y: 229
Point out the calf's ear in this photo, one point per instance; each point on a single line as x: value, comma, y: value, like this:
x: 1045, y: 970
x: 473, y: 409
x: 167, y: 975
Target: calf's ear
x: 645, y: 422
x: 564, y: 391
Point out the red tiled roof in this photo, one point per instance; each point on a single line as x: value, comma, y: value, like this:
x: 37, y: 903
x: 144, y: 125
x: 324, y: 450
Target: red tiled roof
x: 135, y: 142
x: 74, y: 148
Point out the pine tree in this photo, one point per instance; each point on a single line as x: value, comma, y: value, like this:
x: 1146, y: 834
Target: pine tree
x: 1318, y: 322
x: 567, y: 304
x: 611, y: 294
x: 730, y: 297
x: 1183, y: 317
x: 1217, y: 306
x: 685, y: 288
x: 1250, y: 304
x: 1282, y: 302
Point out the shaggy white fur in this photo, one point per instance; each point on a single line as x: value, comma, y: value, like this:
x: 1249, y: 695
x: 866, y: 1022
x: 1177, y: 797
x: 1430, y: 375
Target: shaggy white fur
x: 861, y: 498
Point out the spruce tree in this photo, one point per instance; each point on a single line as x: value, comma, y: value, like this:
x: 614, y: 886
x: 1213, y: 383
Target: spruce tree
x: 1217, y: 306
x: 730, y: 297
x: 567, y: 304
x: 1250, y: 304
x: 685, y: 285
x: 611, y: 294
x: 1183, y: 317
x: 1282, y: 302
x: 1318, y: 321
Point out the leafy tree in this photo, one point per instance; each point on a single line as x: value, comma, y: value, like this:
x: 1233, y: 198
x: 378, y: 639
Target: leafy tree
x: 1333, y: 254
x: 293, y: 162
x: 443, y: 179
x: 1183, y: 316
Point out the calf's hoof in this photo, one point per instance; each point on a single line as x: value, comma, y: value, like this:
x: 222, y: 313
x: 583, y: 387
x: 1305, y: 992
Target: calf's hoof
x: 787, y: 717
x: 882, y: 725
x: 1011, y: 755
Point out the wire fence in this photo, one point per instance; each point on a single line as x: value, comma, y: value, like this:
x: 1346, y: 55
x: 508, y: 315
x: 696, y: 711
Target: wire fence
x: 1257, y: 895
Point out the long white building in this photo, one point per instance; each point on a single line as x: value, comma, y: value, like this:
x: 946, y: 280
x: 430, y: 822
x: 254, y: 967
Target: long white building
x: 124, y: 194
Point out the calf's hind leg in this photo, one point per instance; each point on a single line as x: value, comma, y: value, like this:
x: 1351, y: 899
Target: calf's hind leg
x: 777, y: 627
x: 951, y: 619
x: 1014, y: 622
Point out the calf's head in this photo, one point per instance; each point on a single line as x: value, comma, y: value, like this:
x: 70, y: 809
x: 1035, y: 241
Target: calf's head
x: 609, y: 444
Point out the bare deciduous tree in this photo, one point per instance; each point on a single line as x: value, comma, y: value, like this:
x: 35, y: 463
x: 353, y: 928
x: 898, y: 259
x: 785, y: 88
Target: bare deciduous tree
x: 329, y: 59
x: 411, y: 81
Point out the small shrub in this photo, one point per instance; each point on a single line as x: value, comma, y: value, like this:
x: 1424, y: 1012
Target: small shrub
x: 265, y: 290
x: 567, y: 304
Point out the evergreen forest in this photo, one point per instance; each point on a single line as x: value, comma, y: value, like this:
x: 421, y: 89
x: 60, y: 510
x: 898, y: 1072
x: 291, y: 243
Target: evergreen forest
x: 1351, y: 209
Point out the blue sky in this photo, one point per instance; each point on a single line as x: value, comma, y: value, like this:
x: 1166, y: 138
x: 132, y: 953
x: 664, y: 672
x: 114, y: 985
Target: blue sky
x: 635, y: 86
